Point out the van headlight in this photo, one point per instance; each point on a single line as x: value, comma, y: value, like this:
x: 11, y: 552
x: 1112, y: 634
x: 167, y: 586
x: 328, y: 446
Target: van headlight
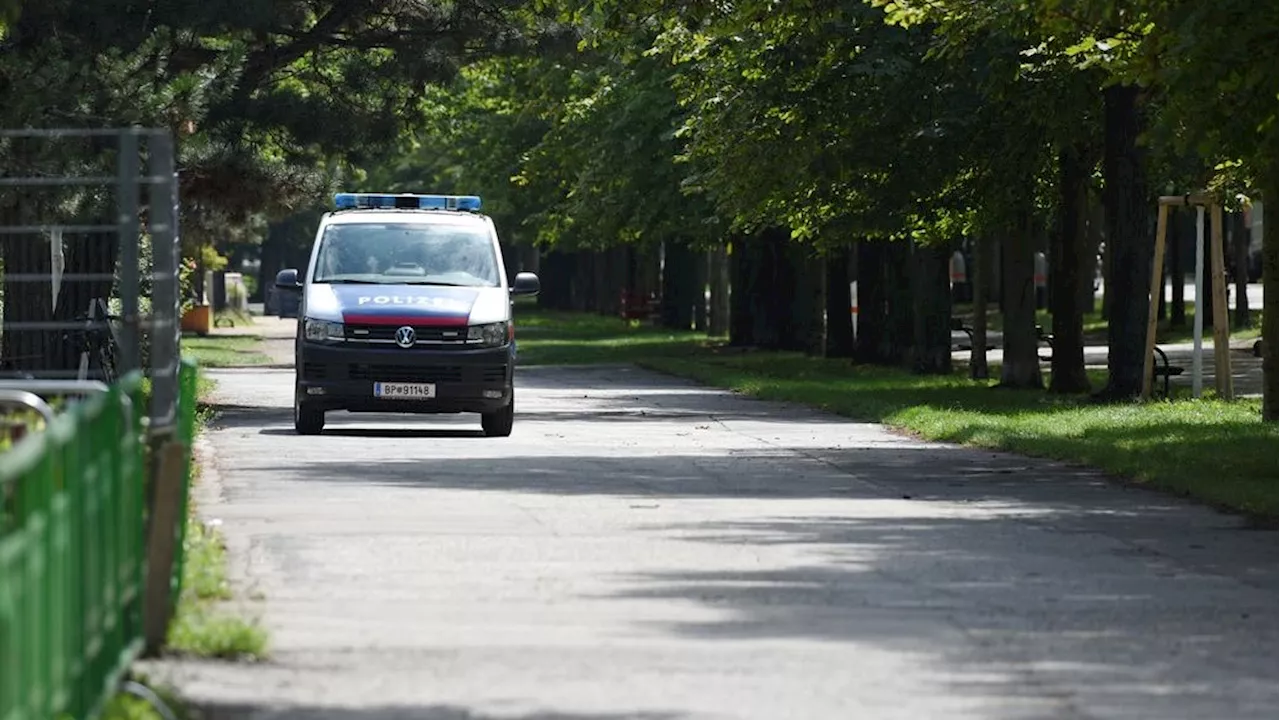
x: 490, y: 335
x: 323, y: 331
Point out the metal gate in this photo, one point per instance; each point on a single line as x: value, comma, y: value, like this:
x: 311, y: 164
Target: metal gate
x: 89, y: 261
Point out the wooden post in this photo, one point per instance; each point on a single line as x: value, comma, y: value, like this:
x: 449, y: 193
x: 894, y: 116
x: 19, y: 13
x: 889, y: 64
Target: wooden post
x: 1221, y: 330
x: 1157, y: 287
x: 158, y: 602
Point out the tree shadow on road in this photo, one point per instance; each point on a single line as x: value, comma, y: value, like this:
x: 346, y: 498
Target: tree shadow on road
x: 388, y: 433
x: 1026, y: 610
x: 235, y: 711
x: 1040, y: 588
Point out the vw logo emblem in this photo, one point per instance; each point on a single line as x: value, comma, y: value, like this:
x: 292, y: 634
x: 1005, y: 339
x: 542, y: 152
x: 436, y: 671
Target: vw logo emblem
x: 405, y: 337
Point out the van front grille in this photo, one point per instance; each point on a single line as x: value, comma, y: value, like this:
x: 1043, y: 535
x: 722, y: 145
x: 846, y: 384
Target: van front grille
x: 386, y: 334
x: 406, y: 373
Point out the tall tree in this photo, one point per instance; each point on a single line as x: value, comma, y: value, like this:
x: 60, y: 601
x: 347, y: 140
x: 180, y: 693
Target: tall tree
x: 260, y: 95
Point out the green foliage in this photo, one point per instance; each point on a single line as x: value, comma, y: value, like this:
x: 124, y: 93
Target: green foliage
x: 567, y: 148
x: 268, y: 99
x: 126, y: 706
x: 187, y: 284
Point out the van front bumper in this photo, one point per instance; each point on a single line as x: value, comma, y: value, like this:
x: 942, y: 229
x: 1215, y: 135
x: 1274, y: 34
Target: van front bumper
x: 342, y: 377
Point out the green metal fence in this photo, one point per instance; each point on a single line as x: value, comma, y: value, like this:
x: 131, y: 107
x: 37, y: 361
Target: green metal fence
x: 188, y: 392
x: 73, y: 555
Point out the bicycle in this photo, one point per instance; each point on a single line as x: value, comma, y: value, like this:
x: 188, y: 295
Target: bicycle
x: 96, y: 340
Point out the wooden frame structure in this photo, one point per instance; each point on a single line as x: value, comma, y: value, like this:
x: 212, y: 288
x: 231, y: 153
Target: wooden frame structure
x: 1218, y: 275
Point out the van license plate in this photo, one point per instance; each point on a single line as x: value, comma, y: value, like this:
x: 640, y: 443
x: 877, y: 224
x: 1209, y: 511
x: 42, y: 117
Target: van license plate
x: 404, y: 391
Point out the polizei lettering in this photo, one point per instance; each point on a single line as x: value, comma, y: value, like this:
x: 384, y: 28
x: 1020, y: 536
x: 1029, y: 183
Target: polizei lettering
x: 439, y: 303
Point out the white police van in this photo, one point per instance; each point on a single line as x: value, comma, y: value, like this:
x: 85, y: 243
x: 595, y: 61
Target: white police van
x: 405, y: 308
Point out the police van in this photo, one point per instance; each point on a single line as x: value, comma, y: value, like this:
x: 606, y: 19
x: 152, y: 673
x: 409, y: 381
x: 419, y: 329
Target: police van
x: 405, y: 307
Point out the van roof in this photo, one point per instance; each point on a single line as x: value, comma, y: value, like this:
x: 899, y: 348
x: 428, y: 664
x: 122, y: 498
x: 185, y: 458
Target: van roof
x: 449, y: 217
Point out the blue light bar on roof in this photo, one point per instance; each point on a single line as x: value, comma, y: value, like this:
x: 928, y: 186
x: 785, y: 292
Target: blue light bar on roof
x: 349, y: 201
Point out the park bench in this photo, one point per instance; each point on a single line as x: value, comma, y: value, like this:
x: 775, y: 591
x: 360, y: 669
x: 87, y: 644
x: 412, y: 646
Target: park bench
x: 1164, y: 369
x: 637, y: 306
x: 1159, y: 369
x: 961, y: 325
x: 1047, y: 338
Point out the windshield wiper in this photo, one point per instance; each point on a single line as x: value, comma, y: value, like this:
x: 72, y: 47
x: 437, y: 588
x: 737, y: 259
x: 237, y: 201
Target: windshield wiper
x: 349, y: 281
x: 435, y: 282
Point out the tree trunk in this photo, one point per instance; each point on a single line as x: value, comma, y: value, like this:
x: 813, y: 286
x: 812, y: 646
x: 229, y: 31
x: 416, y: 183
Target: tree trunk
x: 1177, y: 275
x: 765, y: 301
x: 583, y: 272
x: 805, y: 329
x: 1108, y: 280
x: 530, y: 259
x: 93, y: 255
x: 1240, y: 248
x: 1126, y: 202
x: 554, y: 274
x: 783, y: 307
x: 613, y: 270
x: 25, y: 300
x: 601, y: 276
x: 701, y: 307
x: 839, y: 335
x: 1091, y: 222
x: 932, y: 311
x: 88, y: 274
x: 743, y: 261
x: 872, y: 302
x: 1021, y: 364
x: 718, y: 325
x: 679, y: 285
x: 900, y: 335
x: 1068, y: 249
x: 1270, y: 296
x: 978, y: 369
x: 1162, y: 307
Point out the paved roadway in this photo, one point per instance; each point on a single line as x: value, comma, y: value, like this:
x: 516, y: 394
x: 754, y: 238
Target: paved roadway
x: 645, y: 548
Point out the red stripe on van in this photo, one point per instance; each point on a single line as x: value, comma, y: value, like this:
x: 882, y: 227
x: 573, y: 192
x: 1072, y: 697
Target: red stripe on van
x: 414, y: 320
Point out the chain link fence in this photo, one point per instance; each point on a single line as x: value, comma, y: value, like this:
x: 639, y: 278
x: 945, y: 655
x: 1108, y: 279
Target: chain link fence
x: 89, y: 261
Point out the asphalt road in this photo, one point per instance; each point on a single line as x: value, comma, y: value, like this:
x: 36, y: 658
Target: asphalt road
x: 645, y: 548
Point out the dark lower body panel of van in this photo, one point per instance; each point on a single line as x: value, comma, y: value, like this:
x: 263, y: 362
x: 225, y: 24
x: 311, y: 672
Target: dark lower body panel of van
x: 338, y: 378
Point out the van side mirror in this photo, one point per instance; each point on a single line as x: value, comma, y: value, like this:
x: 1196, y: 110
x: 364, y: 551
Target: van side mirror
x: 288, y: 280
x: 526, y: 283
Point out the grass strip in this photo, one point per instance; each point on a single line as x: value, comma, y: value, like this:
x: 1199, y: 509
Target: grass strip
x: 200, y: 627
x: 220, y: 351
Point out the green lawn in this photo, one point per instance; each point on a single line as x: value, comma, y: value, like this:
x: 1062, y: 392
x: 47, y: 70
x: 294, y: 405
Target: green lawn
x: 1217, y: 452
x: 225, y: 350
x: 550, y: 338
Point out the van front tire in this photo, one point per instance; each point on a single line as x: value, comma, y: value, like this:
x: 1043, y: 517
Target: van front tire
x: 498, y: 424
x: 307, y: 420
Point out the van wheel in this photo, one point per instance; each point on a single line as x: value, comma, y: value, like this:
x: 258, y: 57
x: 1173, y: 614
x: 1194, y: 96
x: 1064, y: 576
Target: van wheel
x: 307, y: 420
x: 498, y: 424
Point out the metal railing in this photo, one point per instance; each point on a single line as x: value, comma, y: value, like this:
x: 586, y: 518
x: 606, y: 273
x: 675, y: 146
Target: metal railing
x: 75, y: 524
x: 71, y: 557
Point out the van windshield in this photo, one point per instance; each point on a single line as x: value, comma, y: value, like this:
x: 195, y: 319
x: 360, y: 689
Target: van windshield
x: 407, y: 253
